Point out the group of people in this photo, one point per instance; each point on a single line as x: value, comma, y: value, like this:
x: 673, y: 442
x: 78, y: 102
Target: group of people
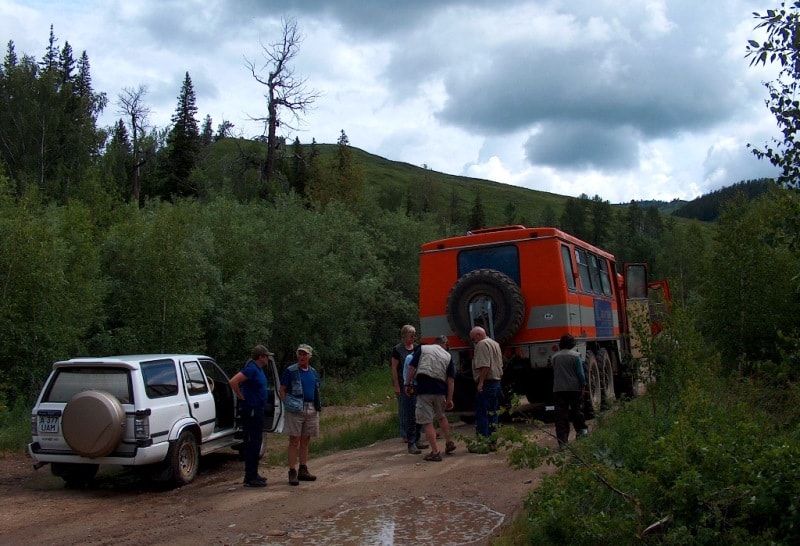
x: 299, y: 390
x: 423, y: 377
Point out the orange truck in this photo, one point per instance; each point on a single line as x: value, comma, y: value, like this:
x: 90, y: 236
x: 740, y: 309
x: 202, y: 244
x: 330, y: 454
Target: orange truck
x: 527, y: 287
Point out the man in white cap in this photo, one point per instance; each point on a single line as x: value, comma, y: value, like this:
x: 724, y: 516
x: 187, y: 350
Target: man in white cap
x: 300, y: 394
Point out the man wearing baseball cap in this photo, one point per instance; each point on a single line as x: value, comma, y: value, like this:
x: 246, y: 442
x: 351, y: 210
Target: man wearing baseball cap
x: 300, y: 394
x: 250, y: 387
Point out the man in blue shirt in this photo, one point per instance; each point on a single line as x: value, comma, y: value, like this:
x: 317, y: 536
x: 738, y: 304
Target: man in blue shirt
x: 300, y: 394
x: 250, y: 387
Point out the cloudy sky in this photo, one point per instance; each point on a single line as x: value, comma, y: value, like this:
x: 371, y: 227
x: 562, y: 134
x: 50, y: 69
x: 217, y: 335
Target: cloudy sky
x: 625, y: 99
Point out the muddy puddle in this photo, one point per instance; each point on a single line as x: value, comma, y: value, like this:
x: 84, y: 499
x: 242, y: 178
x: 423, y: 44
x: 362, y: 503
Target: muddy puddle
x: 413, y: 521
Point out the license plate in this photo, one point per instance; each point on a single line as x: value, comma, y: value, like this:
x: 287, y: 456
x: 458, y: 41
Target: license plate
x: 48, y: 423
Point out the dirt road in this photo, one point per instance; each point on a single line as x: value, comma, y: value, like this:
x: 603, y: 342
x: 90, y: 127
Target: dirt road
x: 374, y: 495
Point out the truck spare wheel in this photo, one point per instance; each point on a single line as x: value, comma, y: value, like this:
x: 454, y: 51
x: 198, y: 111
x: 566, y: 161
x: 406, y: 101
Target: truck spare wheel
x: 93, y: 423
x: 485, y: 289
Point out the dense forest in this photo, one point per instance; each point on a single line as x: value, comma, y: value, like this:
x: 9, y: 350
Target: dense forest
x: 116, y: 239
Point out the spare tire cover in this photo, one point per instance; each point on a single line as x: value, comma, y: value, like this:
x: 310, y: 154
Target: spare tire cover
x: 93, y: 423
x: 481, y: 286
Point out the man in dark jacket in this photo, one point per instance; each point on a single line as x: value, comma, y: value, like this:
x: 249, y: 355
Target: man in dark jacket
x: 569, y: 382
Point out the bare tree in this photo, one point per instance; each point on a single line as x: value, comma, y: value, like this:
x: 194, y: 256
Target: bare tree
x: 130, y: 103
x: 284, y: 91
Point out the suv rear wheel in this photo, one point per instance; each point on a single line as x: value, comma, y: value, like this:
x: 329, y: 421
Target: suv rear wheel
x: 184, y: 459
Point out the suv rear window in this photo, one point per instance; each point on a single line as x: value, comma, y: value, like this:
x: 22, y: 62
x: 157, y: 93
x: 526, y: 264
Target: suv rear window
x: 70, y: 381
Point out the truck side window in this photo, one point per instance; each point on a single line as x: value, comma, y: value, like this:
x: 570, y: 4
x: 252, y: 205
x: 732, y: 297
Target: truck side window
x: 569, y: 270
x: 605, y: 278
x: 594, y: 272
x: 583, y: 269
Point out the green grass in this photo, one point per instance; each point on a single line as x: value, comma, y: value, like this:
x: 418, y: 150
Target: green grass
x: 15, y: 428
x: 371, y: 387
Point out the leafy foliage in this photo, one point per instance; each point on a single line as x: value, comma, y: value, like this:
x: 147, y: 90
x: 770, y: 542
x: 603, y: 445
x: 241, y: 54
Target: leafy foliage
x: 699, y: 460
x: 750, y: 294
x: 781, y: 46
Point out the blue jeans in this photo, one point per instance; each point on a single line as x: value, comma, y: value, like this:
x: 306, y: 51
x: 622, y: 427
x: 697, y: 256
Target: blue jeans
x: 413, y: 430
x: 487, y: 405
x: 401, y: 413
x: 252, y: 427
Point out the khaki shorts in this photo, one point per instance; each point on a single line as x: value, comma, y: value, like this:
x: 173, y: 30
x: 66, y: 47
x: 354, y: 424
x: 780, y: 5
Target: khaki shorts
x: 430, y: 407
x: 305, y: 423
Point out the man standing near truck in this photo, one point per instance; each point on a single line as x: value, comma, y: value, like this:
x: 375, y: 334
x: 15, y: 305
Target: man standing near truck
x: 569, y: 382
x: 487, y: 371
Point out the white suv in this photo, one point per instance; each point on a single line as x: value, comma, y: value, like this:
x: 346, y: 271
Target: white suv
x: 161, y: 411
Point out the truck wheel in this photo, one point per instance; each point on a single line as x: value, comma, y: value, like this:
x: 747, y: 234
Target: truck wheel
x: 75, y: 475
x: 606, y: 377
x: 184, y: 459
x: 595, y: 388
x: 479, y: 288
x: 93, y: 423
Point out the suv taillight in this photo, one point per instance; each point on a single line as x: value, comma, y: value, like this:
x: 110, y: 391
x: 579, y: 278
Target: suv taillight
x: 34, y: 425
x: 141, y: 425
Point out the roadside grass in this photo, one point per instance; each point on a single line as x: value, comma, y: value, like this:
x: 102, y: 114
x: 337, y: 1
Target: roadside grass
x: 15, y: 428
x: 373, y: 386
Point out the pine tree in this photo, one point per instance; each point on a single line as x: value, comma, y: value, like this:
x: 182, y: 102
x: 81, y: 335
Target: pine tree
x: 183, y: 145
x: 477, y: 217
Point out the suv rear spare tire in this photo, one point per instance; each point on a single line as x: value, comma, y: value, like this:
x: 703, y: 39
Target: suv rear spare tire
x: 93, y: 423
x: 481, y: 287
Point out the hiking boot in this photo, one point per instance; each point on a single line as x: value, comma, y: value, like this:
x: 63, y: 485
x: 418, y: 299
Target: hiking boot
x: 423, y: 445
x: 436, y: 457
x: 305, y: 475
x: 255, y: 482
x: 449, y: 447
x: 413, y: 449
x: 293, y: 477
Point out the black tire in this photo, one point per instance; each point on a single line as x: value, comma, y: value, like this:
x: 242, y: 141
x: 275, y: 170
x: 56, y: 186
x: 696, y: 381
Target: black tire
x: 93, y: 423
x: 486, y: 286
x: 594, y: 391
x: 606, y: 377
x: 184, y: 459
x: 75, y: 475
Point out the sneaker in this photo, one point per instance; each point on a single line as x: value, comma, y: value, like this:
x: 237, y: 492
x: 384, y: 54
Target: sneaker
x: 583, y: 433
x: 293, y: 477
x: 305, y: 475
x: 449, y: 447
x: 423, y: 445
x: 436, y: 457
x: 413, y: 449
x: 255, y: 482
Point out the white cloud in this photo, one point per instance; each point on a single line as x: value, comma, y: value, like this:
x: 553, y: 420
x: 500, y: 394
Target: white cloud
x: 636, y: 100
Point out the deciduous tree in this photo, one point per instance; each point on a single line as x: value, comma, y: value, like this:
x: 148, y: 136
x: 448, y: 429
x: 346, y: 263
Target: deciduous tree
x: 781, y: 46
x: 285, y: 93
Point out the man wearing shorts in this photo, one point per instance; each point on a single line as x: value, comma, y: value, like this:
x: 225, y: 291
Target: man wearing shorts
x: 434, y: 372
x: 300, y: 394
